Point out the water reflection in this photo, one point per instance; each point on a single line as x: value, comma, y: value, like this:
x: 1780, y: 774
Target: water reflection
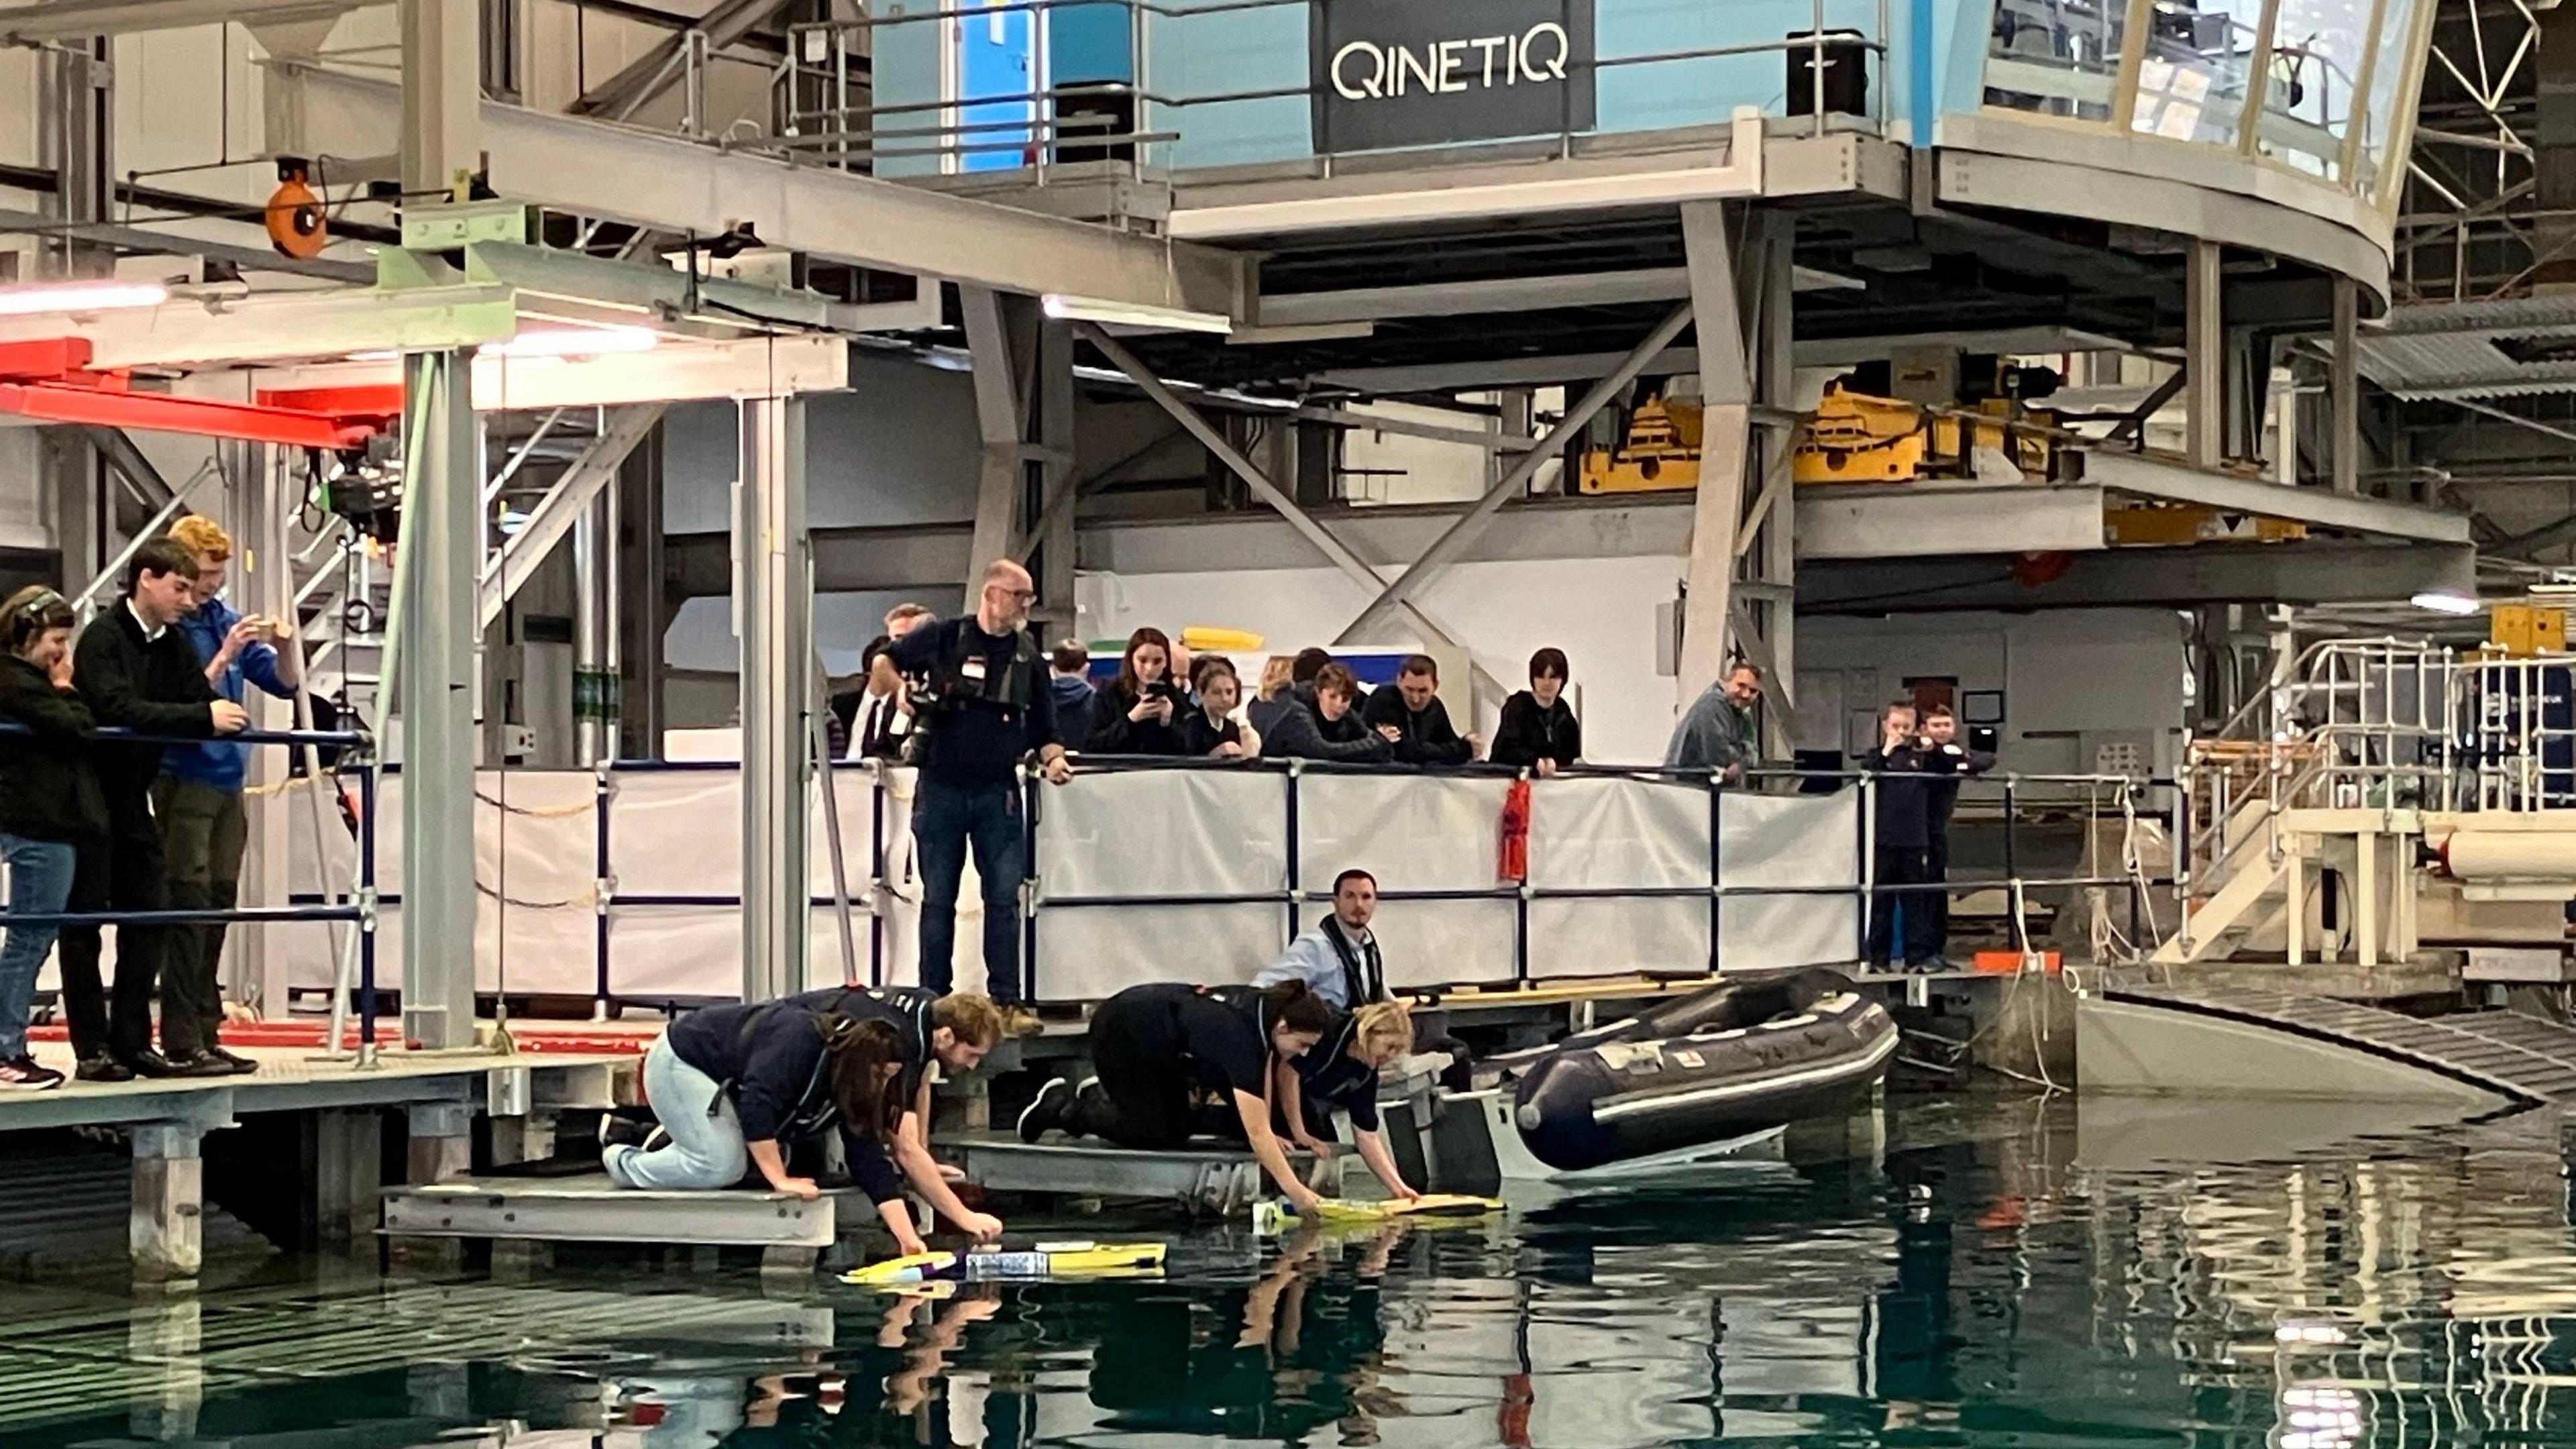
x: 2019, y: 1273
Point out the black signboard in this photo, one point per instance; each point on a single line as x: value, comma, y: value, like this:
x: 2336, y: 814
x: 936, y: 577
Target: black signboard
x: 1392, y: 73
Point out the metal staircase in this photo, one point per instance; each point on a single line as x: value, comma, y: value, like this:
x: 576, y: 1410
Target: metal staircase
x: 2519, y: 1057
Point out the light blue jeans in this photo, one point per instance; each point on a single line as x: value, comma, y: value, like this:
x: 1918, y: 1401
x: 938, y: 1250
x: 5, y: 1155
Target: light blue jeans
x: 703, y: 1150
x: 40, y: 881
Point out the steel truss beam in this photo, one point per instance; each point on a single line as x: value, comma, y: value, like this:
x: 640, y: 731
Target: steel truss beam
x: 626, y: 174
x: 1454, y: 544
x: 1268, y: 492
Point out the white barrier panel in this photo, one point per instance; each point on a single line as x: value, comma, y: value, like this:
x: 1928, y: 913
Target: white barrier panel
x: 1169, y: 836
x: 1089, y: 952
x: 1164, y: 833
x: 1413, y: 832
x: 1782, y: 841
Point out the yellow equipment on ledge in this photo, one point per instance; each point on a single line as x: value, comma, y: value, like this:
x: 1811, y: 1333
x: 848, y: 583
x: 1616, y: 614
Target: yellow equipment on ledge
x: 1662, y: 452
x: 1856, y: 438
x: 2522, y: 630
x: 2181, y: 523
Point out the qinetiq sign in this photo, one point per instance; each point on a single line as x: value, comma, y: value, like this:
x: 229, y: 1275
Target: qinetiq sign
x: 1391, y: 73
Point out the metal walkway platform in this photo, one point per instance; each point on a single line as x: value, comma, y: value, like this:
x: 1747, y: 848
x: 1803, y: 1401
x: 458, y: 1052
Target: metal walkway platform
x: 591, y: 1209
x: 291, y: 1079
x: 2520, y: 1058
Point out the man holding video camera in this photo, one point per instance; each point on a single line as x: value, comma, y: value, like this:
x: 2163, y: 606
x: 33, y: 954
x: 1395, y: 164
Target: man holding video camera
x: 198, y: 798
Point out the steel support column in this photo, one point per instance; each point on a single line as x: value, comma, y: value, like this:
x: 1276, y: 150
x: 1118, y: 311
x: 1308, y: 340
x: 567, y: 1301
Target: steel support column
x: 773, y: 607
x: 1002, y: 333
x: 442, y: 97
x: 1051, y: 535
x: 443, y: 486
x: 593, y: 572
x: 263, y: 583
x: 2343, y: 388
x: 1770, y: 550
x: 642, y: 614
x: 2205, y: 358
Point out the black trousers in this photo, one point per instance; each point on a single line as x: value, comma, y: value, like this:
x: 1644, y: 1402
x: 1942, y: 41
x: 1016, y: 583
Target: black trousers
x: 1902, y: 918
x: 1144, y: 1099
x: 122, y: 873
x: 1939, y: 901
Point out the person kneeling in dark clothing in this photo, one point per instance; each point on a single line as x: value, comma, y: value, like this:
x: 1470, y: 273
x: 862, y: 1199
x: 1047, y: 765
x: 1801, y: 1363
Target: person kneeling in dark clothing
x: 735, y: 1086
x: 1341, y: 1075
x: 1318, y: 724
x: 1901, y: 918
x: 1161, y: 1047
x: 1412, y: 719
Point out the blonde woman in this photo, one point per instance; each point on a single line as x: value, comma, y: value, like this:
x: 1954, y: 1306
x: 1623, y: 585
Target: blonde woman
x: 1341, y: 1074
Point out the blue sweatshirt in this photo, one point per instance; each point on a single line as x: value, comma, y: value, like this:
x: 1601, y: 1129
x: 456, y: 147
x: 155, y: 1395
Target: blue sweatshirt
x: 220, y: 763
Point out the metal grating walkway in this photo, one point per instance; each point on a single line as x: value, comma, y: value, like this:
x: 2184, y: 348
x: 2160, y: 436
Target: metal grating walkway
x: 2522, y: 1057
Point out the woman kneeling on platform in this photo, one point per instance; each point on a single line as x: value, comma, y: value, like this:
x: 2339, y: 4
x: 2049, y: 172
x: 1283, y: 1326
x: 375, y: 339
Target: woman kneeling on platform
x: 1341, y: 1074
x: 735, y: 1086
x: 1161, y: 1049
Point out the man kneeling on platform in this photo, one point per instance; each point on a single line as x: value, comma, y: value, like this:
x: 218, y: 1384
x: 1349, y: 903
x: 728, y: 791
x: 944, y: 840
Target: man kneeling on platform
x: 737, y: 1086
x: 1166, y: 1052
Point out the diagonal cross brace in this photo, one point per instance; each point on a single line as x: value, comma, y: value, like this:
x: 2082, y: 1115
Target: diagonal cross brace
x: 1253, y: 478
x: 1454, y: 542
x: 566, y: 501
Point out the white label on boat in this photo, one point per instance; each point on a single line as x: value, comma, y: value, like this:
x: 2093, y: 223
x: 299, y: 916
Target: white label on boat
x: 1632, y: 1056
x: 1690, y: 1059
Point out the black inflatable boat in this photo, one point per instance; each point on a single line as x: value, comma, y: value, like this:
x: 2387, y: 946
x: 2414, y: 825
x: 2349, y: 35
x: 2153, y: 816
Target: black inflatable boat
x: 1738, y: 1059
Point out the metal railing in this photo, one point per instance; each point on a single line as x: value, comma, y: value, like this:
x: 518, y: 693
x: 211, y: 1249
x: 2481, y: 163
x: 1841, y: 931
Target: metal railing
x: 1058, y: 119
x: 2113, y: 810
x: 2383, y: 723
x: 355, y: 984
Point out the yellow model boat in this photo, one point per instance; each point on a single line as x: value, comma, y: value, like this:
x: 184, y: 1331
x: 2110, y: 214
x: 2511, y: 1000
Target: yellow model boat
x: 1046, y: 1260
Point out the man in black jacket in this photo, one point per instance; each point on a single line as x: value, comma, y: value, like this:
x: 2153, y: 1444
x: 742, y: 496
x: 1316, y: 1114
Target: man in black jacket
x: 1320, y: 724
x: 1902, y: 830
x: 1412, y: 719
x: 135, y: 671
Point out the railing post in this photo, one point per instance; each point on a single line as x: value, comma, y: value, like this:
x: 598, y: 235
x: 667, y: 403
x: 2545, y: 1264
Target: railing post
x: 1028, y: 963
x: 1716, y: 871
x: 2012, y: 857
x: 1295, y: 885
x: 366, y: 917
x: 602, y: 889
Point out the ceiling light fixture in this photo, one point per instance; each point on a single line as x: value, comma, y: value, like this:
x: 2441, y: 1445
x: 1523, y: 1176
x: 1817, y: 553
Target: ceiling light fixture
x: 574, y: 342
x: 2446, y: 602
x: 81, y: 297
x: 1132, y: 314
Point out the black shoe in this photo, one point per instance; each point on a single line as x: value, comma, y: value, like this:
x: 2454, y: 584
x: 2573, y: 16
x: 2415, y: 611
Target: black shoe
x: 147, y: 1063
x: 199, y: 1063
x: 1929, y: 965
x: 242, y: 1066
x: 23, y: 1075
x: 102, y: 1068
x: 1046, y: 1109
x: 616, y: 1131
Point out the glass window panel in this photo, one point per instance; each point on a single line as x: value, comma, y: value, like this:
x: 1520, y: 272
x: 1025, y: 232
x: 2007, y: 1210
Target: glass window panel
x: 2388, y: 76
x: 2198, y: 65
x: 2308, y: 99
x: 2056, y: 57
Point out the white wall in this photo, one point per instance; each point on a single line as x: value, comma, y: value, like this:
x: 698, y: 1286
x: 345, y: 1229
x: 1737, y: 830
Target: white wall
x: 2072, y: 680
x: 25, y: 520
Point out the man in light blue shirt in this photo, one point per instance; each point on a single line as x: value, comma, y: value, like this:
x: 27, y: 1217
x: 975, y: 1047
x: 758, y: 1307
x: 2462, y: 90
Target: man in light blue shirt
x: 198, y: 798
x: 1338, y: 959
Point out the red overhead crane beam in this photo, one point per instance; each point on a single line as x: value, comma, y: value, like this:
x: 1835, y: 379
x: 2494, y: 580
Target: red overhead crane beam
x: 50, y: 381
